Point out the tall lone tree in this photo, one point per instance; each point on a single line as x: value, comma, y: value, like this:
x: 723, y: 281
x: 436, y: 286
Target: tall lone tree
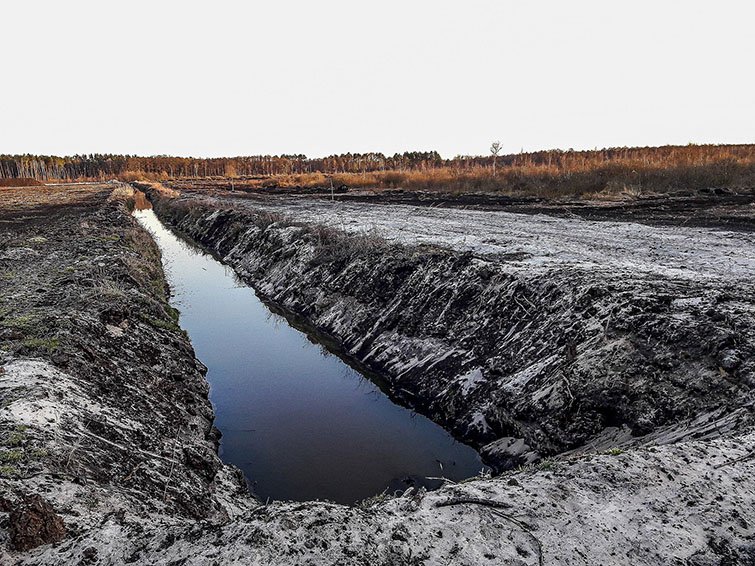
x: 495, y: 149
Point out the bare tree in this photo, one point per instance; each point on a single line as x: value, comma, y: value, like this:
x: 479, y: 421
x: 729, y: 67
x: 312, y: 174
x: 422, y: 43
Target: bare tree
x: 495, y: 149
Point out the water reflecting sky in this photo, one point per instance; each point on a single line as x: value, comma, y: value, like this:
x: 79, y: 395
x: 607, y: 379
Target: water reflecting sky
x: 297, y: 420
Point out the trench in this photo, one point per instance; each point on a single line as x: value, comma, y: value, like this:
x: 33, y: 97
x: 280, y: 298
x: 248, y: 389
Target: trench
x: 300, y: 422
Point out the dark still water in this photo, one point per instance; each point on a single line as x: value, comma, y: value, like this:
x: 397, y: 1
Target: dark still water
x: 297, y: 420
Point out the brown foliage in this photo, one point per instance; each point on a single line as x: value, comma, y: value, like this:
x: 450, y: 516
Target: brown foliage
x: 131, y: 176
x: 607, y: 173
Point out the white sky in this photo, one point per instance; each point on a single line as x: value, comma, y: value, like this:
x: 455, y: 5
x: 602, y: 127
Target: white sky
x: 227, y: 77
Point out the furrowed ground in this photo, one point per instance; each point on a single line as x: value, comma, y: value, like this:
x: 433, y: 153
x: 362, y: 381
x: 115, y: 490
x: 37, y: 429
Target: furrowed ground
x: 104, y: 408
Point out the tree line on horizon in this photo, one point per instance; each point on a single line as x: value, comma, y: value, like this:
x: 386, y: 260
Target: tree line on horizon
x: 107, y: 166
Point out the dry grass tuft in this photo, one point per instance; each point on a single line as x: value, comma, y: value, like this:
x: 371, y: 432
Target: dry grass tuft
x: 20, y: 182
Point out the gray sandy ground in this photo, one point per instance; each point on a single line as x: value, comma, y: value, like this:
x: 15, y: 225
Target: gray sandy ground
x: 104, y: 410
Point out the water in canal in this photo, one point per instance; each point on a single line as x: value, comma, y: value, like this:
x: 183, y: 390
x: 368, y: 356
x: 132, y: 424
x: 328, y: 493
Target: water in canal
x: 299, y: 422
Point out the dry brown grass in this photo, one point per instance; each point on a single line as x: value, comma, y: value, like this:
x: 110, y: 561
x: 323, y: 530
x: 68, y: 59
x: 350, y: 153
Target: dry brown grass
x: 606, y: 173
x: 20, y: 182
x: 131, y: 176
x: 630, y: 178
x: 608, y: 180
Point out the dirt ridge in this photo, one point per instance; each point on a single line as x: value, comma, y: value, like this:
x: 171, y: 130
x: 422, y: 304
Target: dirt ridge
x: 524, y: 362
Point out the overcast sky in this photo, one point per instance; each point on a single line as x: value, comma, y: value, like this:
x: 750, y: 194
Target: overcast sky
x: 319, y: 77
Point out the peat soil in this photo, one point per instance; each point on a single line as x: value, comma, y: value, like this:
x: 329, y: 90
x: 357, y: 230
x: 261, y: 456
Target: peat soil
x: 618, y: 397
x: 103, y: 407
x: 717, y: 208
x: 713, y: 208
x: 526, y: 336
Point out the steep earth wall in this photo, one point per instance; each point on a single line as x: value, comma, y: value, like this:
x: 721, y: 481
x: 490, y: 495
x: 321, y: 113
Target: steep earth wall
x: 104, y: 408
x: 525, y: 357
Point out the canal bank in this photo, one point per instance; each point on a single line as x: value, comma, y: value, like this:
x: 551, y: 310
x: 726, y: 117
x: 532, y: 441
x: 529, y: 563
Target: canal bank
x: 96, y: 377
x: 295, y: 418
x: 562, y: 346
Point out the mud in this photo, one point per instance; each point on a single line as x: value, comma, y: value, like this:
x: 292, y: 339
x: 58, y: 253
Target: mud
x: 625, y: 396
x: 526, y: 356
x: 104, y: 407
x: 716, y: 208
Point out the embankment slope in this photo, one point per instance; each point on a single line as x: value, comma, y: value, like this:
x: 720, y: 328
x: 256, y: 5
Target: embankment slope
x: 526, y: 336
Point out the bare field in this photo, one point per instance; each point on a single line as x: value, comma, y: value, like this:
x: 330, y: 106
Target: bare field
x: 536, y: 240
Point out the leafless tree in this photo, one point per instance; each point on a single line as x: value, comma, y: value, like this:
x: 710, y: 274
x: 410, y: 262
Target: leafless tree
x: 495, y: 149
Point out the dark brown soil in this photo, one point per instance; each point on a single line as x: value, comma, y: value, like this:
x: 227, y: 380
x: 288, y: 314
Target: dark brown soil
x: 34, y: 522
x: 24, y: 205
x: 711, y: 208
x: 83, y: 294
x: 708, y: 209
x: 608, y: 350
x: 84, y: 300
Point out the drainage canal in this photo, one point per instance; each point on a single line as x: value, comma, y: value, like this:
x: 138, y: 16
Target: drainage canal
x: 299, y: 421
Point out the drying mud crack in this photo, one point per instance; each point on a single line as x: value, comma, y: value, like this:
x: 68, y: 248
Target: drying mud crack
x: 604, y: 369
